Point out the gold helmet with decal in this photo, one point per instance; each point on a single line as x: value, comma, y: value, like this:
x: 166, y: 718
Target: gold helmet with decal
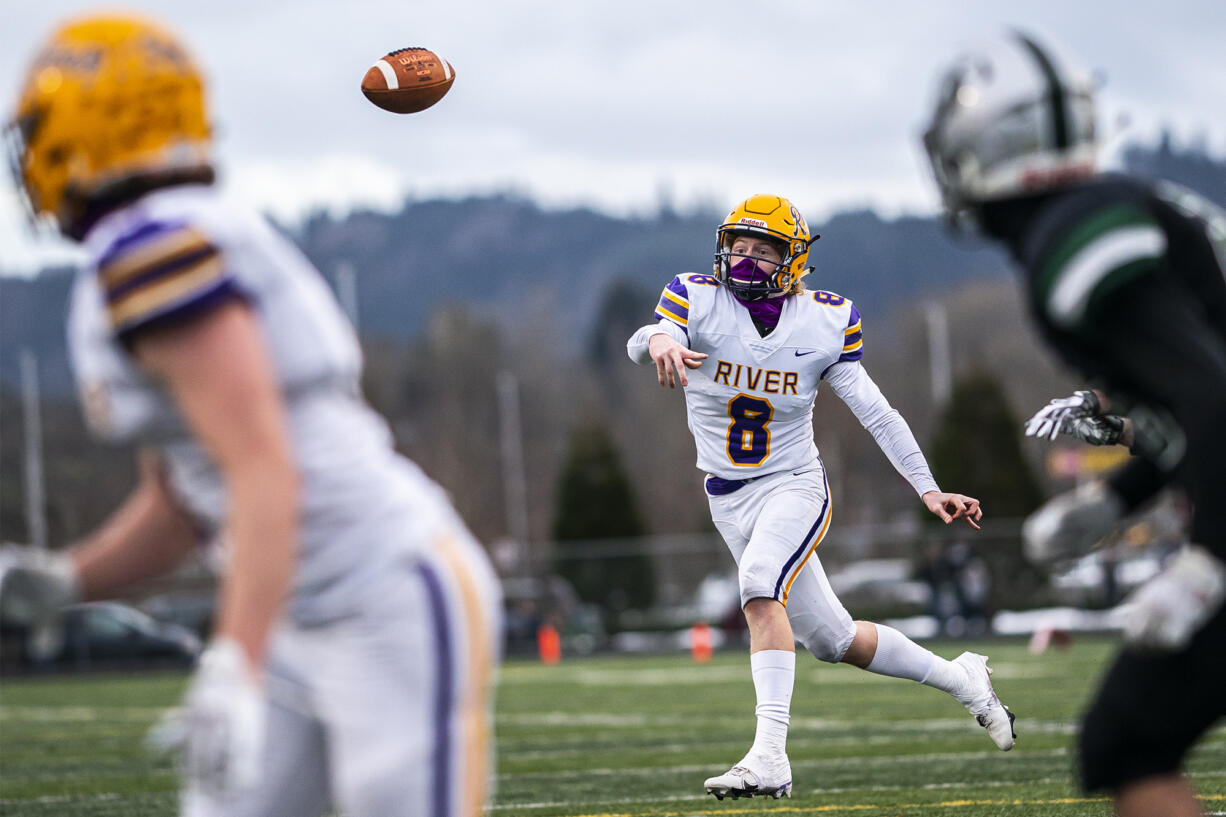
x: 111, y: 106
x: 777, y: 220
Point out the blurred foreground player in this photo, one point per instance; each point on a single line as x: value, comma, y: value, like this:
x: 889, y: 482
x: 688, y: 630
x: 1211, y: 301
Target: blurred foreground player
x: 358, y: 620
x: 759, y: 345
x: 1125, y: 280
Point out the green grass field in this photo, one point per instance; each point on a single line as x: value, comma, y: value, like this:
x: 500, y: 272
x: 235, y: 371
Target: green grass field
x: 637, y: 736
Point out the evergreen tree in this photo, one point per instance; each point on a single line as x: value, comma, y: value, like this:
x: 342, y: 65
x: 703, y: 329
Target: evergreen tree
x: 596, y: 506
x: 624, y: 308
x: 977, y: 450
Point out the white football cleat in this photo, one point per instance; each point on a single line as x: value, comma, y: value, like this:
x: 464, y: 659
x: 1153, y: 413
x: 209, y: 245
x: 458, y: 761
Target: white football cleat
x: 753, y: 777
x: 980, y: 700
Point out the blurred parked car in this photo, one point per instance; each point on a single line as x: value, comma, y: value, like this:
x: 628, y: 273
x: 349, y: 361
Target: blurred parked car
x: 529, y: 603
x: 191, y: 609
x: 1104, y: 576
x: 98, y: 635
x: 879, y: 583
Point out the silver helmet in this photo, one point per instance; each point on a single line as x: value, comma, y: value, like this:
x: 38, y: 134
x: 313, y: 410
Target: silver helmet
x: 1012, y: 117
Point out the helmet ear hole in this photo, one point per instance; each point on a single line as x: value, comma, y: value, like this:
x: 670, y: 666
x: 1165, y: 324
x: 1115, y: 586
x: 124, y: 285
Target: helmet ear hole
x: 57, y: 155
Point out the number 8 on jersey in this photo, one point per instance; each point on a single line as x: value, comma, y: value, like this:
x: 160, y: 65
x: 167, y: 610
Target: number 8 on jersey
x: 749, y: 439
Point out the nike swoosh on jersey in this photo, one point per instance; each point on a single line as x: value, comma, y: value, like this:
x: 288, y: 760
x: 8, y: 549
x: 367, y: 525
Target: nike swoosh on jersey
x: 799, y: 353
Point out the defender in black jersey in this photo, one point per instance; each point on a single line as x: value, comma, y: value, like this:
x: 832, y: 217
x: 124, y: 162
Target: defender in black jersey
x: 1127, y: 282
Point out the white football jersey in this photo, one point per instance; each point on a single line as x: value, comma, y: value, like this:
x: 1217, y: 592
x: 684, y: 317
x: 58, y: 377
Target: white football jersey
x: 750, y: 405
x: 173, y: 253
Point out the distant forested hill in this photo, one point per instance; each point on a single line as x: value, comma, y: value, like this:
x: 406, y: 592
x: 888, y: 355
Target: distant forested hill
x: 497, y: 256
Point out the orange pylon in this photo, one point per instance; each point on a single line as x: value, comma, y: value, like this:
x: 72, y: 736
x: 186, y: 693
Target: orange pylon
x: 700, y: 642
x: 549, y: 644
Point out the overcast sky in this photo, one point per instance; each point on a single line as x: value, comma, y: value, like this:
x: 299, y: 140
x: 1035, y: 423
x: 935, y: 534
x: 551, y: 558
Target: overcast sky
x: 609, y: 104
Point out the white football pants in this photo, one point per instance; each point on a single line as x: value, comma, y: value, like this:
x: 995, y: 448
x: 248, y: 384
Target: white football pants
x: 773, y: 526
x: 386, y: 714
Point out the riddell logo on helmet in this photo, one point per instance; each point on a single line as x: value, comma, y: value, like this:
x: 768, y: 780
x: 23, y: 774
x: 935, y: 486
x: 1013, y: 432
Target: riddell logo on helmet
x: 752, y: 222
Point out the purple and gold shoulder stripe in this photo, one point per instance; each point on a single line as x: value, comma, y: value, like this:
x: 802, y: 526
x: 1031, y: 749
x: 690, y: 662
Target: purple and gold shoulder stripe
x: 157, y: 270
x: 853, y: 338
x: 675, y: 304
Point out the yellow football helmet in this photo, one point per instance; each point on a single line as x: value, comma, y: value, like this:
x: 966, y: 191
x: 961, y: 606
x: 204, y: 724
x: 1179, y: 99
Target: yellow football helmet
x: 774, y: 218
x: 111, y: 106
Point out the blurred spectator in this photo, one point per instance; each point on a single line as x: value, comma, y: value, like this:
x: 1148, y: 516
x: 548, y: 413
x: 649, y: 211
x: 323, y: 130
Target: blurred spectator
x: 960, y: 586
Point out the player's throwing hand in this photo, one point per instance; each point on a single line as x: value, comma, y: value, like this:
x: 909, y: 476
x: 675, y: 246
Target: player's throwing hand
x: 954, y: 506
x: 669, y: 355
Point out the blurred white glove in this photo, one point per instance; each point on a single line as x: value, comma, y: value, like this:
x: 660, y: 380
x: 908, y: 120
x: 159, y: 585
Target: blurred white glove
x: 35, y: 584
x: 220, y: 729
x: 1049, y: 420
x: 1165, y: 612
x: 1071, y: 523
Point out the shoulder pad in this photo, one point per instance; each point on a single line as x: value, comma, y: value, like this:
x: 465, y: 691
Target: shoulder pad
x: 157, y: 269
x: 698, y: 279
x: 853, y: 336
x: 821, y: 296
x: 674, y: 302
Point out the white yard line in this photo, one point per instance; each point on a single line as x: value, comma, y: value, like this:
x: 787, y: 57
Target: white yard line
x: 876, y: 760
x: 795, y: 742
x: 955, y: 722
x: 818, y: 674
x: 832, y: 762
x: 80, y: 713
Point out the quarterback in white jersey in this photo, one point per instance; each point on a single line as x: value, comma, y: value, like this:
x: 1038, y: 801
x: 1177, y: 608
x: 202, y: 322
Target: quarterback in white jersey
x: 358, y: 620
x: 751, y: 347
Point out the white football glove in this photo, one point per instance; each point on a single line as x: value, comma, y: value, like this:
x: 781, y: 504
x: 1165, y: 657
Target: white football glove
x: 1165, y: 612
x: 220, y: 729
x: 35, y: 584
x: 1071, y: 523
x: 1048, y: 421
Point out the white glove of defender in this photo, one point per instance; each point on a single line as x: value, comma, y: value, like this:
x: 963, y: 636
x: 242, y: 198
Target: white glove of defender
x: 1052, y: 418
x: 1165, y: 612
x: 35, y: 584
x: 1071, y: 523
x: 220, y: 729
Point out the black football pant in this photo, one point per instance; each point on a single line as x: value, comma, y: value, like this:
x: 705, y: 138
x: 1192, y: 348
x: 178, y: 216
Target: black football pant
x: 1151, y: 708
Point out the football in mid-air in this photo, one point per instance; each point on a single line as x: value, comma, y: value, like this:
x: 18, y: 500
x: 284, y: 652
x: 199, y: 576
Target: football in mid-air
x: 408, y: 80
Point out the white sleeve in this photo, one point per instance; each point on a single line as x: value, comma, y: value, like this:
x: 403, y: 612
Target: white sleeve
x: 636, y: 347
x: 851, y: 382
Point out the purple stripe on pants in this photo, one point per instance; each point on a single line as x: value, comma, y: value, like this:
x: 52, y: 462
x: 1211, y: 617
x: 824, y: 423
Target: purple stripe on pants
x: 444, y: 696
x: 803, y: 545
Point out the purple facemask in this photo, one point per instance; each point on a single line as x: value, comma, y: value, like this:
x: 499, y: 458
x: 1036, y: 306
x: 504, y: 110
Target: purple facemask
x: 766, y: 311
